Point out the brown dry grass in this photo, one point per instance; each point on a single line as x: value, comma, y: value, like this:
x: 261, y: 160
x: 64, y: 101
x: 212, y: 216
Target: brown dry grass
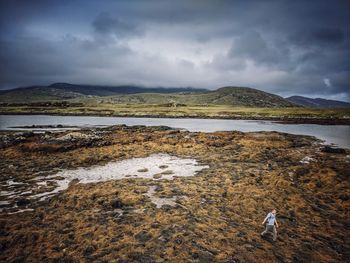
x: 219, y: 221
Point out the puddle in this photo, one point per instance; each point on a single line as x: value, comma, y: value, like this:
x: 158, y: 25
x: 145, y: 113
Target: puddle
x: 8, y: 193
x: 136, y: 168
x: 160, y: 201
x: 12, y: 182
x: 306, y: 160
x: 21, y: 211
x: 154, y: 167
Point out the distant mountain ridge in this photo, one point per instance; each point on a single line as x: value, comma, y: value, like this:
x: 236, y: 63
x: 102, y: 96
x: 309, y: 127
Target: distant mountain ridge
x: 318, y: 102
x: 75, y: 90
x: 235, y: 96
x: 36, y: 94
x: 97, y: 90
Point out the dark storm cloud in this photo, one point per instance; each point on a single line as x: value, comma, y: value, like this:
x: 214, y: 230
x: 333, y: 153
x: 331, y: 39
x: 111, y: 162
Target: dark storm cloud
x: 251, y: 45
x: 320, y: 36
x: 286, y: 47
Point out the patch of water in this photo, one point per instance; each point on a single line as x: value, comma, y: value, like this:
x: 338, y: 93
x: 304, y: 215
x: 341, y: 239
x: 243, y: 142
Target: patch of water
x: 7, y: 193
x: 160, y: 201
x: 137, y: 167
x: 306, y: 160
x: 21, y: 211
x: 337, y: 134
x: 154, y: 167
x: 12, y: 182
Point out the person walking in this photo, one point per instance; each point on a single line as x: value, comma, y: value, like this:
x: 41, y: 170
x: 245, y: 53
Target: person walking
x: 271, y: 224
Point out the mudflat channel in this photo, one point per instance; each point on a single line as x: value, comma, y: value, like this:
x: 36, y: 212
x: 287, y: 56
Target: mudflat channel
x: 155, y: 194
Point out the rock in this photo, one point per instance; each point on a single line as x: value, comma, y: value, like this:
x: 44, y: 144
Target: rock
x: 23, y: 202
x: 143, y: 236
x: 163, y: 166
x: 279, y: 257
x: 329, y: 149
x: 143, y: 170
x: 168, y: 172
x: 249, y: 247
x: 203, y: 256
x: 301, y: 171
x: 3, y: 233
x: 269, y: 166
x: 116, y: 203
x: 28, y: 134
x: 319, y: 184
x: 343, y: 174
x: 155, y: 225
x: 64, y: 259
x: 89, y: 250
x: 258, y: 180
x: 290, y: 217
x: 140, y: 257
x: 157, y: 176
x: 344, y: 197
x: 74, y: 182
x: 302, y: 257
x: 306, y: 160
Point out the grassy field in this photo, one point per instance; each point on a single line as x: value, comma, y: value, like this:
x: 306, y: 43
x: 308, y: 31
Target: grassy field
x: 209, y: 111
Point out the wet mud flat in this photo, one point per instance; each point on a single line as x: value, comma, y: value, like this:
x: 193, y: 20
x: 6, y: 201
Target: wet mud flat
x: 154, y: 194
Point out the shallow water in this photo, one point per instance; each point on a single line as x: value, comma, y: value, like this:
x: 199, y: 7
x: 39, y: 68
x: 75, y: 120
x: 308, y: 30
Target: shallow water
x: 160, y: 201
x: 331, y: 134
x: 165, y: 166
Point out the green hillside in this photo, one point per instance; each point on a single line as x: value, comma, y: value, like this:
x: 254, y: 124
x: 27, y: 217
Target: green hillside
x: 64, y: 91
x: 36, y: 94
x: 235, y: 96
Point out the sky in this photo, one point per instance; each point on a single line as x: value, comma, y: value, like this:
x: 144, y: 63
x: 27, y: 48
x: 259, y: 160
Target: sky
x: 283, y: 47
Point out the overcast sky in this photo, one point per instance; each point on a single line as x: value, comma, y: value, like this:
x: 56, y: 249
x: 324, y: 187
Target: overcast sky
x: 283, y: 47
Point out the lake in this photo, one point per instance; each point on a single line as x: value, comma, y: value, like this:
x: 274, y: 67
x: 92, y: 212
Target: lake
x: 330, y: 134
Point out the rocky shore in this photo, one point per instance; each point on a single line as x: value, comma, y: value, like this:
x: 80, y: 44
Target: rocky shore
x: 214, y: 215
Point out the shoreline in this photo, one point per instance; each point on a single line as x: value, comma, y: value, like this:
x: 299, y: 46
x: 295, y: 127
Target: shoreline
x: 280, y: 120
x: 50, y: 129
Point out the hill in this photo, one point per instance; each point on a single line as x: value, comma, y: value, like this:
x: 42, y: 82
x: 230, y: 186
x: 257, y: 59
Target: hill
x: 36, y: 94
x: 59, y: 91
x: 234, y: 96
x: 96, y: 90
x: 318, y: 102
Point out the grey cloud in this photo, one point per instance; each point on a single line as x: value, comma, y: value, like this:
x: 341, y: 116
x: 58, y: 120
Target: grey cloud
x: 341, y: 83
x: 31, y: 61
x: 252, y: 46
x: 105, y: 24
x: 293, y: 45
x: 225, y: 62
x: 317, y: 37
x: 186, y: 63
x: 328, y: 35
